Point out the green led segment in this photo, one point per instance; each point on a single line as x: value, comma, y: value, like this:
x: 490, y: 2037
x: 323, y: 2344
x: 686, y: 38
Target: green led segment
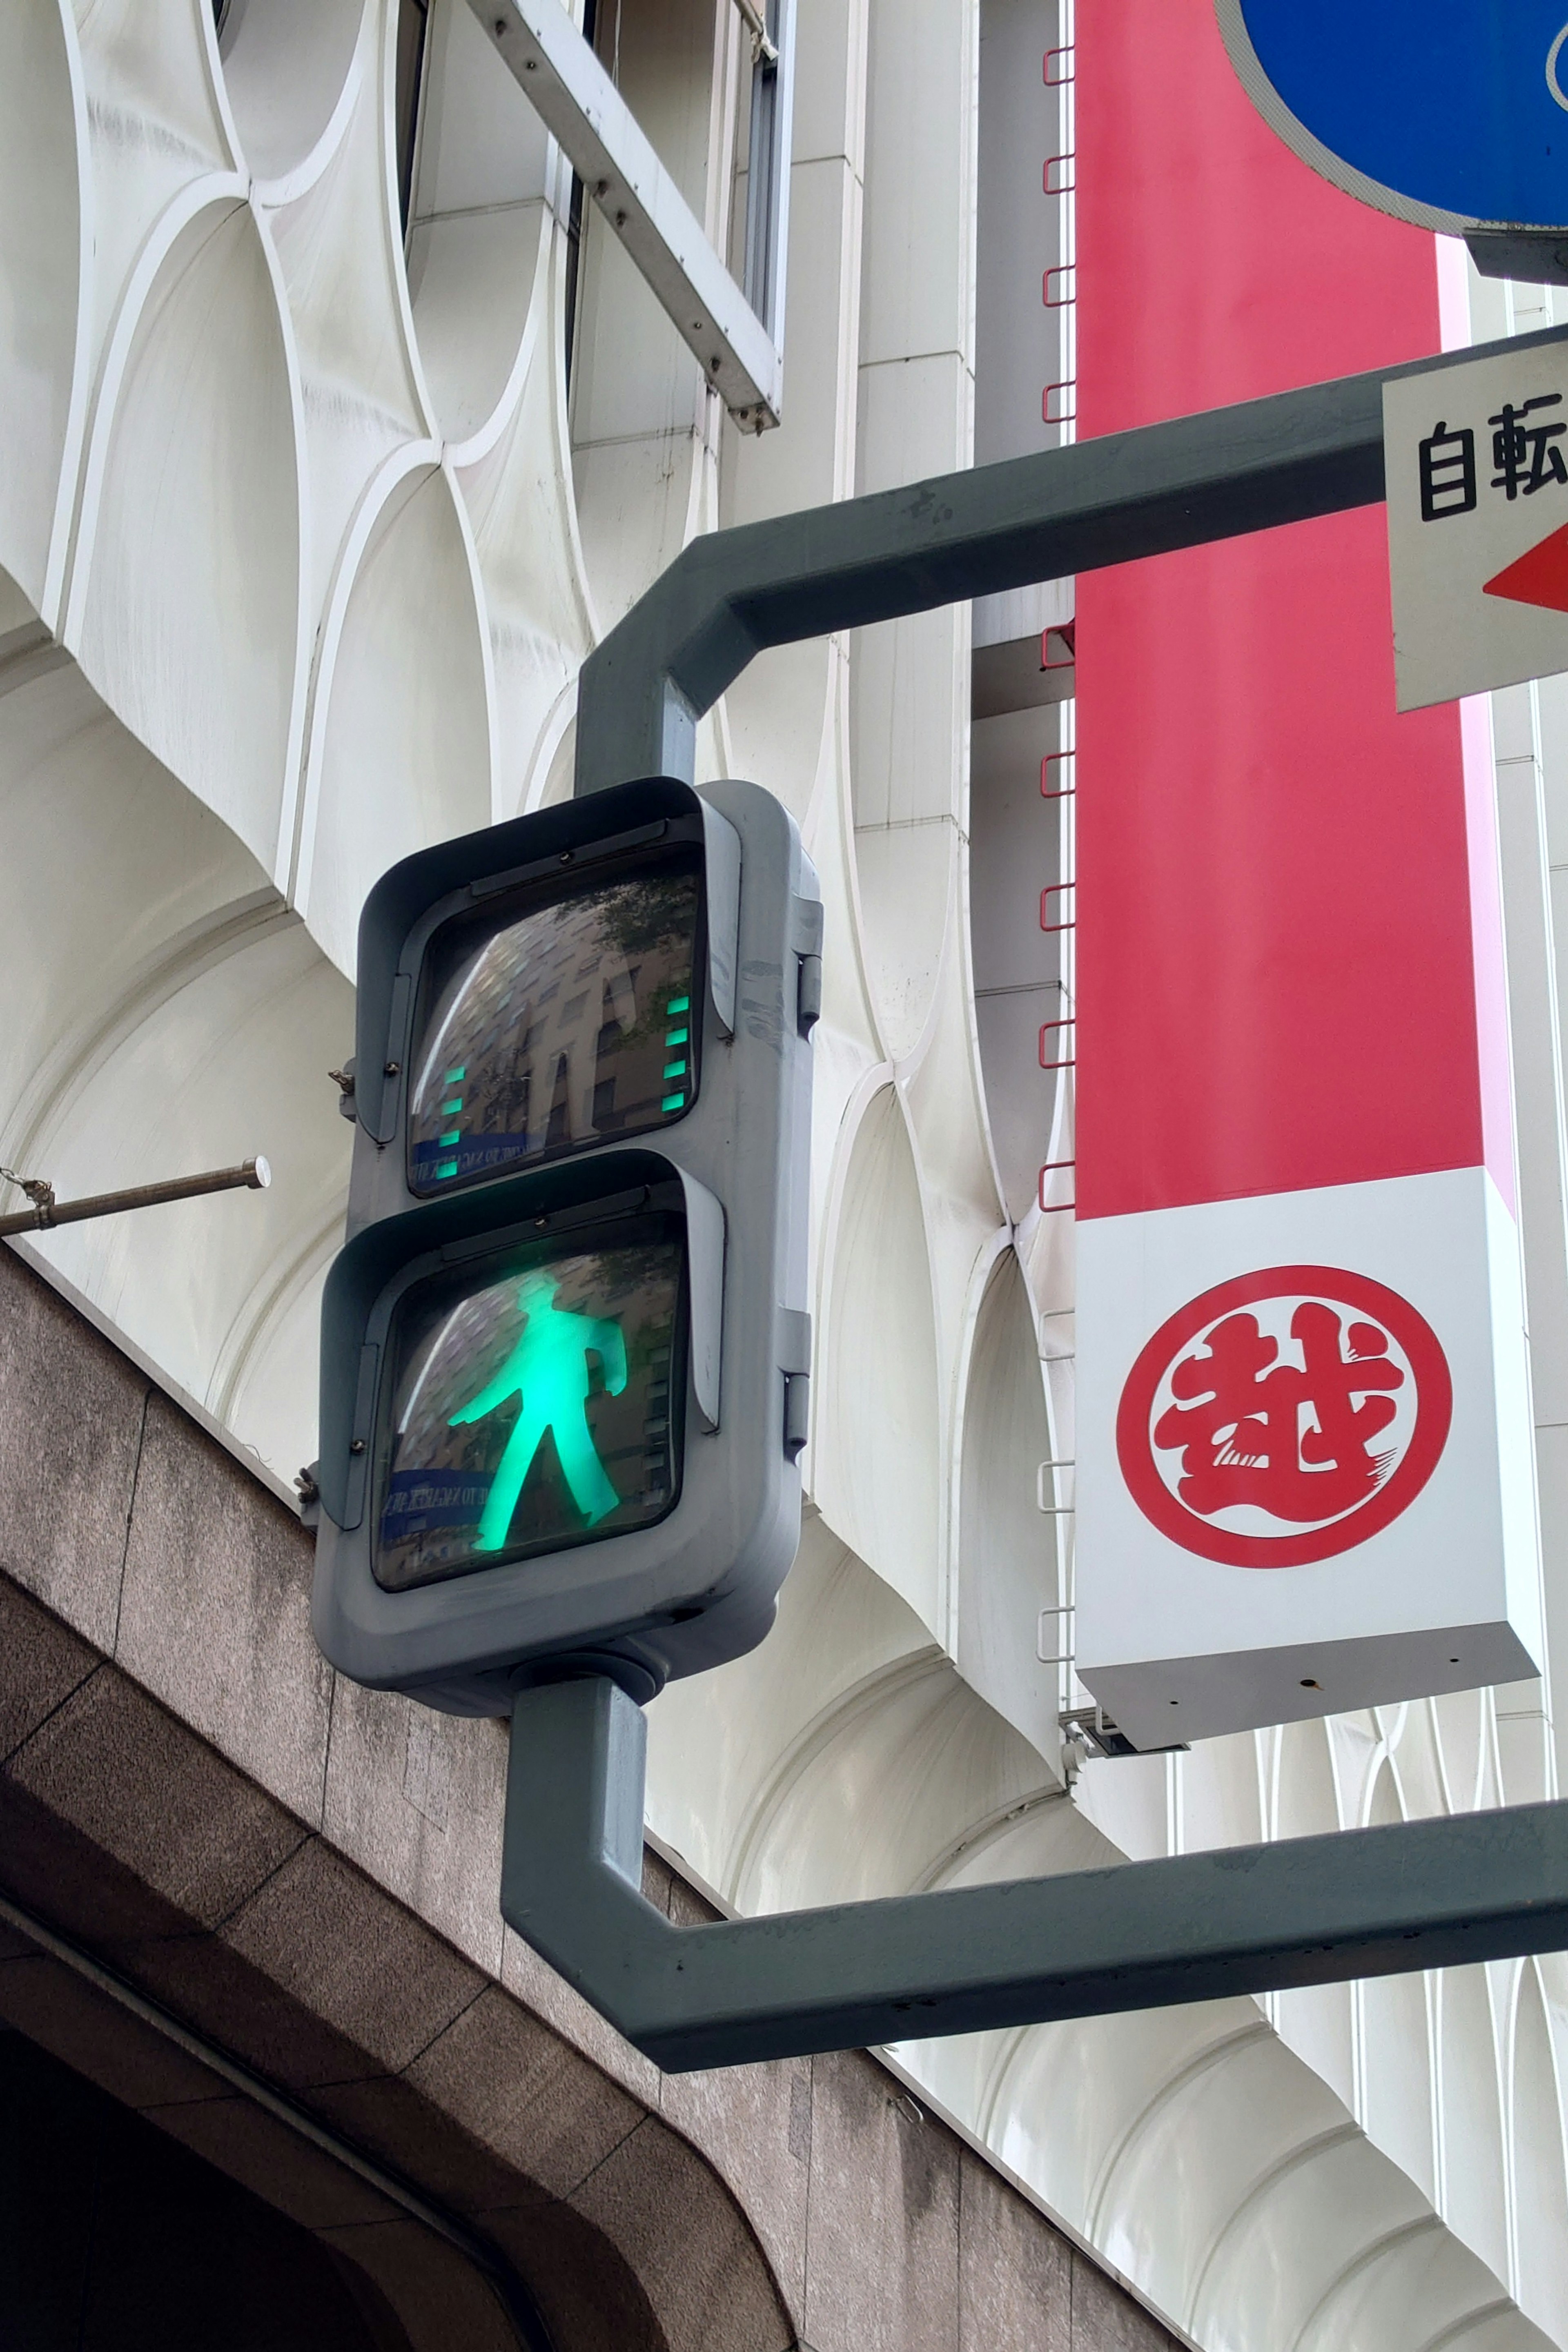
x: 678, y: 1036
x: 678, y: 1005
x: 455, y: 1078
x: 445, y: 1168
x: 448, y: 1109
x: 453, y: 1135
x: 673, y: 1102
x: 675, y: 1069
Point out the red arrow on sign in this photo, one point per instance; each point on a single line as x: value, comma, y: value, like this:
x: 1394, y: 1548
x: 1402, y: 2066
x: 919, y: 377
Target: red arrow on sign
x: 1538, y: 576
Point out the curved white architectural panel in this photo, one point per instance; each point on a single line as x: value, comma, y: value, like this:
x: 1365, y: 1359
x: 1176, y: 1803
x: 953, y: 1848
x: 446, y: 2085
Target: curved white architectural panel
x: 243, y: 1047
x: 44, y: 228
x: 909, y: 682
x: 158, y: 125
x: 402, y: 753
x: 1400, y: 2074
x: 1304, y: 1795
x: 166, y: 1015
x: 1417, y: 1763
x: 1475, y: 2186
x: 1414, y: 2286
x: 1222, y: 1794
x: 472, y: 282
x: 113, y: 879
x: 1326, y: 2211
x: 515, y: 481
x: 186, y: 602
x: 1074, y: 2097
x: 722, y: 1746
x: 1540, y: 2182
x: 1009, y: 1572
x: 487, y: 170
x: 1466, y: 1732
x: 1192, y: 2230
x: 876, y: 1468
x: 646, y: 431
x: 265, y: 1391
x: 334, y: 226
x: 642, y: 462
x: 783, y: 718
x: 882, y: 1792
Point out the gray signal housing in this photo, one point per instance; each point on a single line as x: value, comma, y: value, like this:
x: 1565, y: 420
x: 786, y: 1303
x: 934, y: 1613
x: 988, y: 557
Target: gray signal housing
x: 700, y: 1586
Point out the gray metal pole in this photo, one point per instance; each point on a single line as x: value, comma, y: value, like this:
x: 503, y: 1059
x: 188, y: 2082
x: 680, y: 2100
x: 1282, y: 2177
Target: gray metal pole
x: 732, y: 592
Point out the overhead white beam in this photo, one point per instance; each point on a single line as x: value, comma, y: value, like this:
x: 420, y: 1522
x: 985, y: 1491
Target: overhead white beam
x: 581, y: 106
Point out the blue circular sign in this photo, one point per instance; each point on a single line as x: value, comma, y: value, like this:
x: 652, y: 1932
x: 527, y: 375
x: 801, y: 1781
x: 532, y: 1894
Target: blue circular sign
x: 1452, y: 113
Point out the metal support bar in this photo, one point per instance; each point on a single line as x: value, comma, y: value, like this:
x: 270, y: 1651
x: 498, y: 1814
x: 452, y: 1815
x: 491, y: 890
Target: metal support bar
x: 577, y: 102
x: 252, y: 1175
x: 1143, y: 1934
x: 732, y: 592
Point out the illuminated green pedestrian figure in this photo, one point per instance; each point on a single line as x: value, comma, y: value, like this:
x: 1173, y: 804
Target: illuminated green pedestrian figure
x: 549, y: 1367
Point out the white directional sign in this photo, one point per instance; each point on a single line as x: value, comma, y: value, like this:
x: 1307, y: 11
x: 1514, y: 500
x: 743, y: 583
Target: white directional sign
x: 1476, y: 461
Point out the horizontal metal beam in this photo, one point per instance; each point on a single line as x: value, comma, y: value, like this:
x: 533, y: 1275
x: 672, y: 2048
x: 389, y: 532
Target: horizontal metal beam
x: 731, y: 594
x: 1145, y: 1934
x: 579, y: 103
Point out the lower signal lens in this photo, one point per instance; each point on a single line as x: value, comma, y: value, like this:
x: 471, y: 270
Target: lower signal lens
x: 535, y: 1407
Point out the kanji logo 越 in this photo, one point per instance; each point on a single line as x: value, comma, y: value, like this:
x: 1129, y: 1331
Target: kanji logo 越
x: 1284, y: 1416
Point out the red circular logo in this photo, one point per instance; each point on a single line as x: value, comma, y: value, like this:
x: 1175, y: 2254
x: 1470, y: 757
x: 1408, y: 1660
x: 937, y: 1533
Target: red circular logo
x: 1284, y: 1416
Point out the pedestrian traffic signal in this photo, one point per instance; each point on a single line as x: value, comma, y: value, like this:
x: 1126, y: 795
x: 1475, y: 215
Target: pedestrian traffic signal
x: 565, y: 1347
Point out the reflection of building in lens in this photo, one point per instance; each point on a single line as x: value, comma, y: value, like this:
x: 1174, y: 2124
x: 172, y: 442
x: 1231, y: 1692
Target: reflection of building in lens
x: 572, y: 1023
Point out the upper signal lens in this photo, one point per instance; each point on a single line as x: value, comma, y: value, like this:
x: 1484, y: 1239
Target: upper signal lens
x: 554, y: 1023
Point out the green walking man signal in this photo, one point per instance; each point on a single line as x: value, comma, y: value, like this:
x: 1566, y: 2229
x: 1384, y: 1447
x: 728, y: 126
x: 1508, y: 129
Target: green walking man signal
x: 548, y: 1368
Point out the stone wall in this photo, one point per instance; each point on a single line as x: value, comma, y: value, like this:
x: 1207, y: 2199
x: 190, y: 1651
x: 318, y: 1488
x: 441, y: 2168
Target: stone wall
x: 258, y: 1906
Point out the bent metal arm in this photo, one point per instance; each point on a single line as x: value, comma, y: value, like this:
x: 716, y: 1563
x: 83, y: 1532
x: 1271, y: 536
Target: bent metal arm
x: 731, y: 594
x: 1144, y: 1934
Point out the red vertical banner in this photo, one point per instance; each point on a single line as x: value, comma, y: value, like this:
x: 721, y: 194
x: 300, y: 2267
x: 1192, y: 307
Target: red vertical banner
x: 1301, y: 1344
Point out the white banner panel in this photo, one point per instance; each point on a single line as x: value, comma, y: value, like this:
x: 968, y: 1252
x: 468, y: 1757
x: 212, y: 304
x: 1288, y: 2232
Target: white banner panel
x: 1305, y: 1478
